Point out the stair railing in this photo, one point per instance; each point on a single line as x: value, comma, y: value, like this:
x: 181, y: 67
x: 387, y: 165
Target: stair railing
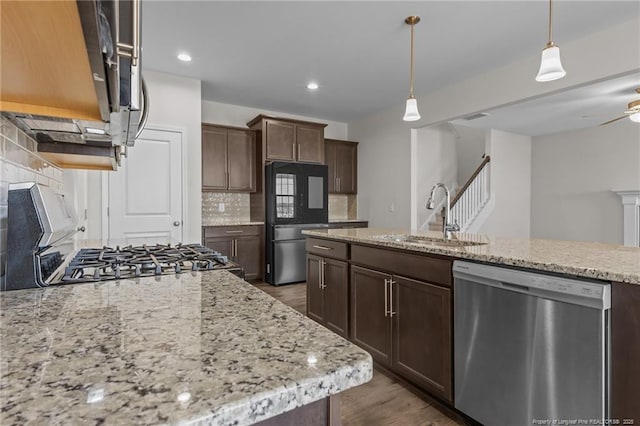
x: 472, y: 197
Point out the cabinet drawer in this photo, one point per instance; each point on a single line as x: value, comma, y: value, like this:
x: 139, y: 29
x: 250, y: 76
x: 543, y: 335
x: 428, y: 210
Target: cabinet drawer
x: 425, y: 268
x: 327, y: 248
x: 231, y: 231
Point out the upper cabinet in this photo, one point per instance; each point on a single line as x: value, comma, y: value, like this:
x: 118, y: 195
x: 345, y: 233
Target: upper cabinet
x: 289, y: 140
x: 228, y: 159
x: 342, y: 159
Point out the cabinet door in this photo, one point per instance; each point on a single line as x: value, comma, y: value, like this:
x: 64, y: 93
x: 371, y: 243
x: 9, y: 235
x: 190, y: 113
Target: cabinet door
x: 422, y: 334
x: 315, y: 295
x: 241, y: 148
x: 279, y: 141
x: 370, y: 327
x: 346, y: 168
x: 249, y: 256
x: 223, y: 245
x: 310, y: 143
x: 336, y: 296
x: 214, y: 158
x: 330, y: 161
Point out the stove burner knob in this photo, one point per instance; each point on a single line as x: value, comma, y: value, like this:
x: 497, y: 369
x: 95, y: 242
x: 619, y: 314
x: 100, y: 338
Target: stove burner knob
x: 209, y: 264
x: 158, y: 270
x: 138, y: 271
x: 194, y: 266
x: 117, y: 271
x: 178, y: 270
x: 96, y: 274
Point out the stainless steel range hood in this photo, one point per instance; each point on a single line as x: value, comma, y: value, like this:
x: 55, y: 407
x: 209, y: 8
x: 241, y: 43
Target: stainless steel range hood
x: 39, y: 93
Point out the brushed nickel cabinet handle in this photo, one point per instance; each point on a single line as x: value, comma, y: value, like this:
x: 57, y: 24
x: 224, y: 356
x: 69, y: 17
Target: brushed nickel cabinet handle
x: 322, y: 247
x: 298, y: 151
x: 391, y: 312
x: 293, y: 151
x: 320, y: 275
x: 234, y: 232
x: 324, y: 284
x: 386, y: 297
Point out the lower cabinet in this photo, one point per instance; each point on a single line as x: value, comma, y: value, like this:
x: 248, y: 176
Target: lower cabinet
x: 327, y: 293
x: 406, y: 326
x: 241, y: 244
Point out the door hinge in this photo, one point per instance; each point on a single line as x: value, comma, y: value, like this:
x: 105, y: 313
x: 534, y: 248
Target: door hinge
x: 268, y: 268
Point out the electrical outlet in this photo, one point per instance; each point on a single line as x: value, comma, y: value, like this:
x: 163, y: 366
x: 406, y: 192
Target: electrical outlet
x: 392, y: 207
x: 221, y: 207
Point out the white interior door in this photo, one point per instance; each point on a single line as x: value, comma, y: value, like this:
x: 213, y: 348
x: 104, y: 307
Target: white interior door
x: 145, y: 194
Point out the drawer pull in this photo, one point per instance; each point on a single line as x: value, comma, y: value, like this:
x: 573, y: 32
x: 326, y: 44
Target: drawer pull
x: 322, y: 247
x: 234, y: 232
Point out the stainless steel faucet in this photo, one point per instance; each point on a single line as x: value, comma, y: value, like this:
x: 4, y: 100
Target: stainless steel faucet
x: 447, y: 227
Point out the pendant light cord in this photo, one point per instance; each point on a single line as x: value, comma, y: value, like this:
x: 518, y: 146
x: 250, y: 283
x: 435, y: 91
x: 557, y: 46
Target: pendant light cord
x: 550, y: 24
x: 411, y: 69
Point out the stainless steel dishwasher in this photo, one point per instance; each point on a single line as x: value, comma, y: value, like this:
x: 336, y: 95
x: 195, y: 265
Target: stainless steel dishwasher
x: 530, y: 346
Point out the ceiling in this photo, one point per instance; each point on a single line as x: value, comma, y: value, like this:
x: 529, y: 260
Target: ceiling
x: 572, y: 109
x: 262, y: 54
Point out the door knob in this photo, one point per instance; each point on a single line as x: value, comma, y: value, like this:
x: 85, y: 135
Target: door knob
x: 176, y: 223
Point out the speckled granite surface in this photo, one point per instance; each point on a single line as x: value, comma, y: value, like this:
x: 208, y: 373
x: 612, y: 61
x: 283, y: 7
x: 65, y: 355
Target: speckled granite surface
x: 590, y: 260
x: 198, y: 348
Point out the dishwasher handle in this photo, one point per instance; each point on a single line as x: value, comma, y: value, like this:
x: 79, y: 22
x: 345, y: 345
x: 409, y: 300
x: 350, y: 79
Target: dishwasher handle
x: 589, y: 293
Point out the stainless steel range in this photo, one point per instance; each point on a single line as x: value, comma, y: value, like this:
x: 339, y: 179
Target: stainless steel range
x: 40, y: 249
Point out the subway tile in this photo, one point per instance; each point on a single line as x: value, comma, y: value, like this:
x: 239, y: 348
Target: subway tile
x: 4, y: 193
x: 41, y: 179
x: 25, y: 175
x: 8, y: 129
x: 9, y: 172
x: 22, y: 139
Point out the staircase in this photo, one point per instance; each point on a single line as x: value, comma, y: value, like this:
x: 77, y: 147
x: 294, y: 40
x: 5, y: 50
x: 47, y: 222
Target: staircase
x: 468, y: 201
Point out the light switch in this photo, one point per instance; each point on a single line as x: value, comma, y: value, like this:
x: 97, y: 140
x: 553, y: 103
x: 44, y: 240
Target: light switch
x: 221, y: 207
x: 392, y: 207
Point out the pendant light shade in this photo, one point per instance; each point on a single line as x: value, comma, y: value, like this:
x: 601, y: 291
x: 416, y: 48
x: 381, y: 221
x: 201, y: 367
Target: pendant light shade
x: 411, y: 111
x: 550, y: 65
x: 635, y: 117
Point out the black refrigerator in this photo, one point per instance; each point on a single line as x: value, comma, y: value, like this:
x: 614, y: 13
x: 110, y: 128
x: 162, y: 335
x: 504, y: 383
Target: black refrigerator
x: 296, y: 199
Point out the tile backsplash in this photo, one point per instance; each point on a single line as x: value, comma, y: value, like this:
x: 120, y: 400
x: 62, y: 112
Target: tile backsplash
x: 221, y: 207
x: 19, y: 162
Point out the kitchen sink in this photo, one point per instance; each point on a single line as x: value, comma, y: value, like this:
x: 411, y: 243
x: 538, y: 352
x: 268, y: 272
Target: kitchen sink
x: 426, y: 241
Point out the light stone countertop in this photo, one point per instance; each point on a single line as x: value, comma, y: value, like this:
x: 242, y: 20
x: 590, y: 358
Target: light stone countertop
x: 583, y: 259
x: 346, y: 220
x: 217, y: 222
x: 194, y: 348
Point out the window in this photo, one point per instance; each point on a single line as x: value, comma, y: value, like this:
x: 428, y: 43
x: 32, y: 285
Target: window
x: 285, y: 195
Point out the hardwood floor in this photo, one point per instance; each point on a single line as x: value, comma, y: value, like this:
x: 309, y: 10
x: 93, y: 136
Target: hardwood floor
x: 380, y: 402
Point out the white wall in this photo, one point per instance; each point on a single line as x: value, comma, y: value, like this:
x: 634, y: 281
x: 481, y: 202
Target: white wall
x: 433, y: 161
x: 573, y: 174
x: 470, y: 145
x: 510, y: 176
x: 385, y: 140
x: 236, y: 115
x: 174, y: 104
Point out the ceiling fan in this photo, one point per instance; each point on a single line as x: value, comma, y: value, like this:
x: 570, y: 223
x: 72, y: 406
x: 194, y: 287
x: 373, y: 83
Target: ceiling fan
x: 633, y: 111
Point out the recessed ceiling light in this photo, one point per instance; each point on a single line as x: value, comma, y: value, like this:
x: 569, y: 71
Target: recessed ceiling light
x: 184, y: 57
x: 312, y: 86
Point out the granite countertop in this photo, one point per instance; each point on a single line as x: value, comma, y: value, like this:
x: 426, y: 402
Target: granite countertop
x: 196, y: 348
x: 346, y: 220
x: 583, y: 259
x: 214, y: 222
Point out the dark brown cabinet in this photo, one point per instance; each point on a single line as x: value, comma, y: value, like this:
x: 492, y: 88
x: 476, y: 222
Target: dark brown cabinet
x: 406, y: 326
x: 242, y: 244
x: 422, y: 334
x: 401, y: 313
x: 342, y: 159
x: 370, y: 320
x: 228, y: 159
x: 289, y: 140
x: 328, y: 285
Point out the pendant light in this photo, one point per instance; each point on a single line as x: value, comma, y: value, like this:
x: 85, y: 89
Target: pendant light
x: 550, y: 65
x: 411, y: 112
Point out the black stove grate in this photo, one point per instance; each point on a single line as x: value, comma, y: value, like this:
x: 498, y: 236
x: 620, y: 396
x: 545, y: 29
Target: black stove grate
x: 109, y: 263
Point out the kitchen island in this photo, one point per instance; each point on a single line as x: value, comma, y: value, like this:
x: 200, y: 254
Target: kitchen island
x: 401, y: 298
x: 193, y: 348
